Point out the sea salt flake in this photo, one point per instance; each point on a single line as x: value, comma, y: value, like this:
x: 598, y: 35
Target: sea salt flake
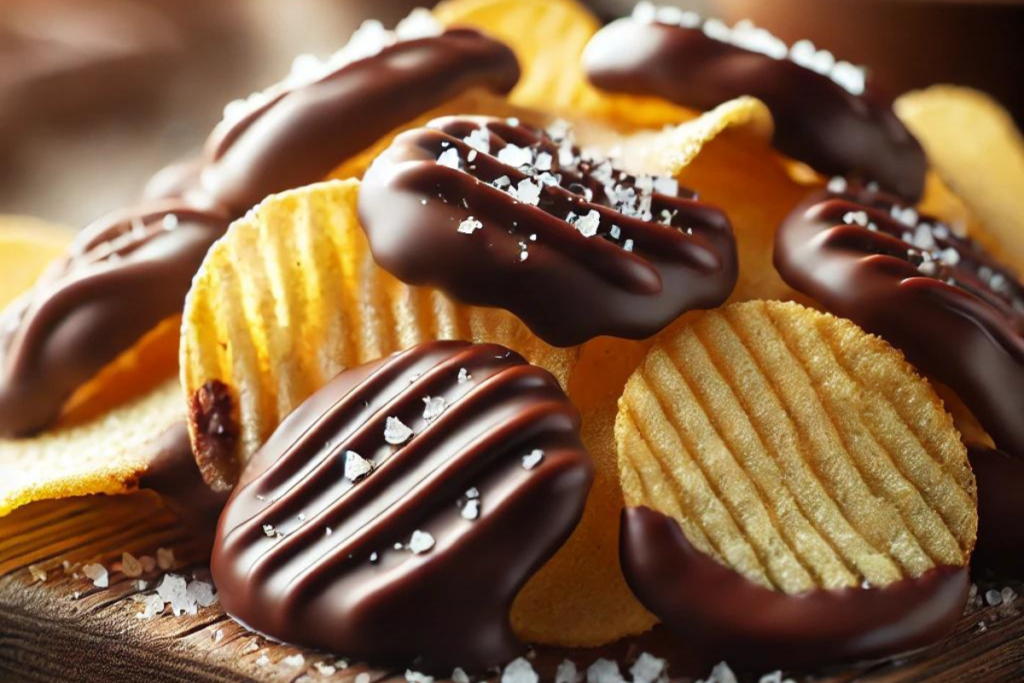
x: 647, y: 668
x: 532, y: 459
x: 993, y: 598
x: 293, y: 661
x: 97, y: 573
x: 363, y: 678
x: 628, y: 245
x: 169, y: 222
x: 152, y: 606
x: 515, y: 156
x: 471, y: 510
x: 469, y: 226
x: 666, y: 185
x: 544, y: 161
x: 479, y: 140
x: 502, y: 182
x: 417, y: 677
x: 165, y: 558
x: 356, y: 466
x: 459, y: 676
x: 421, y: 542
x: 464, y: 376
x: 201, y: 593
x: 566, y: 672
x: 519, y: 671
x: 130, y: 565
x: 374, y: 557
x: 325, y: 669
x: 173, y: 590
x: 721, y: 673
x: 604, y: 671
x: 396, y: 432
x: 218, y: 635
x: 449, y: 158
x: 528, y: 192
x: 473, y: 493
x: 837, y: 185
x: 587, y: 225
x: 37, y: 572
x: 433, y: 407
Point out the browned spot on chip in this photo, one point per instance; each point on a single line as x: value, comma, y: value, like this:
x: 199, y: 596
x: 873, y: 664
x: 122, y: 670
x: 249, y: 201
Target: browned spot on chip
x: 215, y: 428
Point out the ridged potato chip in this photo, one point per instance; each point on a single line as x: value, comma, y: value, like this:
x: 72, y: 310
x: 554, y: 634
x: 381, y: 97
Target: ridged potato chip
x: 975, y: 147
x: 796, y: 449
x: 290, y: 297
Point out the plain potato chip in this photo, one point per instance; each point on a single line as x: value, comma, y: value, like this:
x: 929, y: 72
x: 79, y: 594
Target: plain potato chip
x: 974, y: 145
x: 289, y: 298
x: 797, y: 449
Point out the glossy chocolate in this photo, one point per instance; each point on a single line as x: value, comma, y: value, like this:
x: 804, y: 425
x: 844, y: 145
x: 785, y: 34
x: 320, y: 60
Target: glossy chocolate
x: 1000, y: 546
x: 302, y: 134
x: 572, y: 246
x: 132, y: 269
x: 956, y: 313
x: 307, y: 556
x: 727, y: 614
x: 817, y: 120
x: 121, y: 277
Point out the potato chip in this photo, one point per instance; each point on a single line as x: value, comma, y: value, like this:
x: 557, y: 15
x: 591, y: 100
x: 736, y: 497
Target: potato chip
x: 796, y: 449
x: 290, y: 297
x: 27, y: 247
x: 975, y: 147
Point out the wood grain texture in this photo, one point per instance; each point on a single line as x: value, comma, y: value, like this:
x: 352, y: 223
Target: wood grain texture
x: 66, y: 629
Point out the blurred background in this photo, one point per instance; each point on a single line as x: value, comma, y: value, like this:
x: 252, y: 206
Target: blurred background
x: 97, y: 95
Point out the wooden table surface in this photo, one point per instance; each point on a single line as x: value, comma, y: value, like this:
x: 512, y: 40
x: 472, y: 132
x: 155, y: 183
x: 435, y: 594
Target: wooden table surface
x: 66, y: 629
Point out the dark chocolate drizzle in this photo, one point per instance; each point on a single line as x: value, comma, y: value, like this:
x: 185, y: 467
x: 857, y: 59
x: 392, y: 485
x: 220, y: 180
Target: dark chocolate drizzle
x: 955, y: 312
x: 306, y: 556
x: 130, y: 270
x: 635, y: 271
x: 816, y: 120
x: 726, y: 613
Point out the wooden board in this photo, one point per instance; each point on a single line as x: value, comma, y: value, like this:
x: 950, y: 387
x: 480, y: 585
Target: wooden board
x: 66, y: 629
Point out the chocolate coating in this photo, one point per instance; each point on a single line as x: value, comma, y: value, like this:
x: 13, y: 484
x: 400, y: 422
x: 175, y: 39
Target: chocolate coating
x: 334, y: 580
x: 1000, y: 546
x: 627, y: 275
x: 816, y: 120
x: 127, y: 273
x: 121, y: 277
x: 302, y: 134
x: 956, y: 313
x: 726, y: 613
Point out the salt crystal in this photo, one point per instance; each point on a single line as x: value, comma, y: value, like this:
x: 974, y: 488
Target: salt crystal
x: 837, y: 185
x: 464, y: 376
x: 417, y: 677
x: 421, y: 23
x: 950, y: 255
x: 923, y: 238
x: 356, y: 466
x: 324, y: 669
x: 449, y: 158
x: 373, y: 558
x: 479, y: 140
x: 647, y: 668
x: 270, y: 532
x: 515, y: 156
x: 363, y: 678
x: 152, y: 605
x: 666, y: 185
x: 37, y: 572
x: 993, y: 598
x: 173, y: 590
x: 293, y: 661
x: 615, y: 232
x: 628, y: 245
x: 519, y: 671
x: 566, y: 672
x: 544, y: 161
x: 141, y: 585
x: 604, y: 671
x: 528, y: 192
x: 201, y: 593
x: 473, y: 493
x: 165, y: 558
x: 130, y: 565
x: 459, y: 676
x: 218, y: 635
x: 433, y: 407
x: 396, y: 432
x: 501, y: 182
x: 471, y: 510
x: 645, y: 12
x: 1008, y: 595
x: 532, y: 459
x: 97, y: 573
x: 421, y: 542
x: 469, y: 226
x: 169, y: 222
x: 588, y: 225
x: 721, y: 673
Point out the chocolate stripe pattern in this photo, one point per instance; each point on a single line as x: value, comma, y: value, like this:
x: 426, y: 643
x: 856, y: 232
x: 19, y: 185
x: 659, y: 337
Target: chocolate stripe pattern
x: 395, y: 515
x: 498, y: 213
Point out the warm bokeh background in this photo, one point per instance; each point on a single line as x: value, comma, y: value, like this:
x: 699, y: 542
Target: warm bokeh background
x: 96, y: 95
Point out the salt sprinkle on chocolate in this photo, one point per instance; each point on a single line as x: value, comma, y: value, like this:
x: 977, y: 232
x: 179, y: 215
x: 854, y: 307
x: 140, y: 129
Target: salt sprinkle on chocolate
x: 356, y: 466
x: 433, y: 406
x: 417, y: 677
x: 469, y: 226
x: 363, y: 678
x: 421, y: 542
x: 721, y: 673
x: 459, y: 676
x: 648, y: 669
x: 464, y: 376
x: 604, y: 671
x: 532, y: 459
x: 471, y: 510
x: 567, y: 672
x: 324, y: 669
x: 396, y: 432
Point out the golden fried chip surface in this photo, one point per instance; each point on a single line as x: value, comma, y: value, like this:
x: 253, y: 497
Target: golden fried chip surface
x: 797, y: 449
x: 292, y: 296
